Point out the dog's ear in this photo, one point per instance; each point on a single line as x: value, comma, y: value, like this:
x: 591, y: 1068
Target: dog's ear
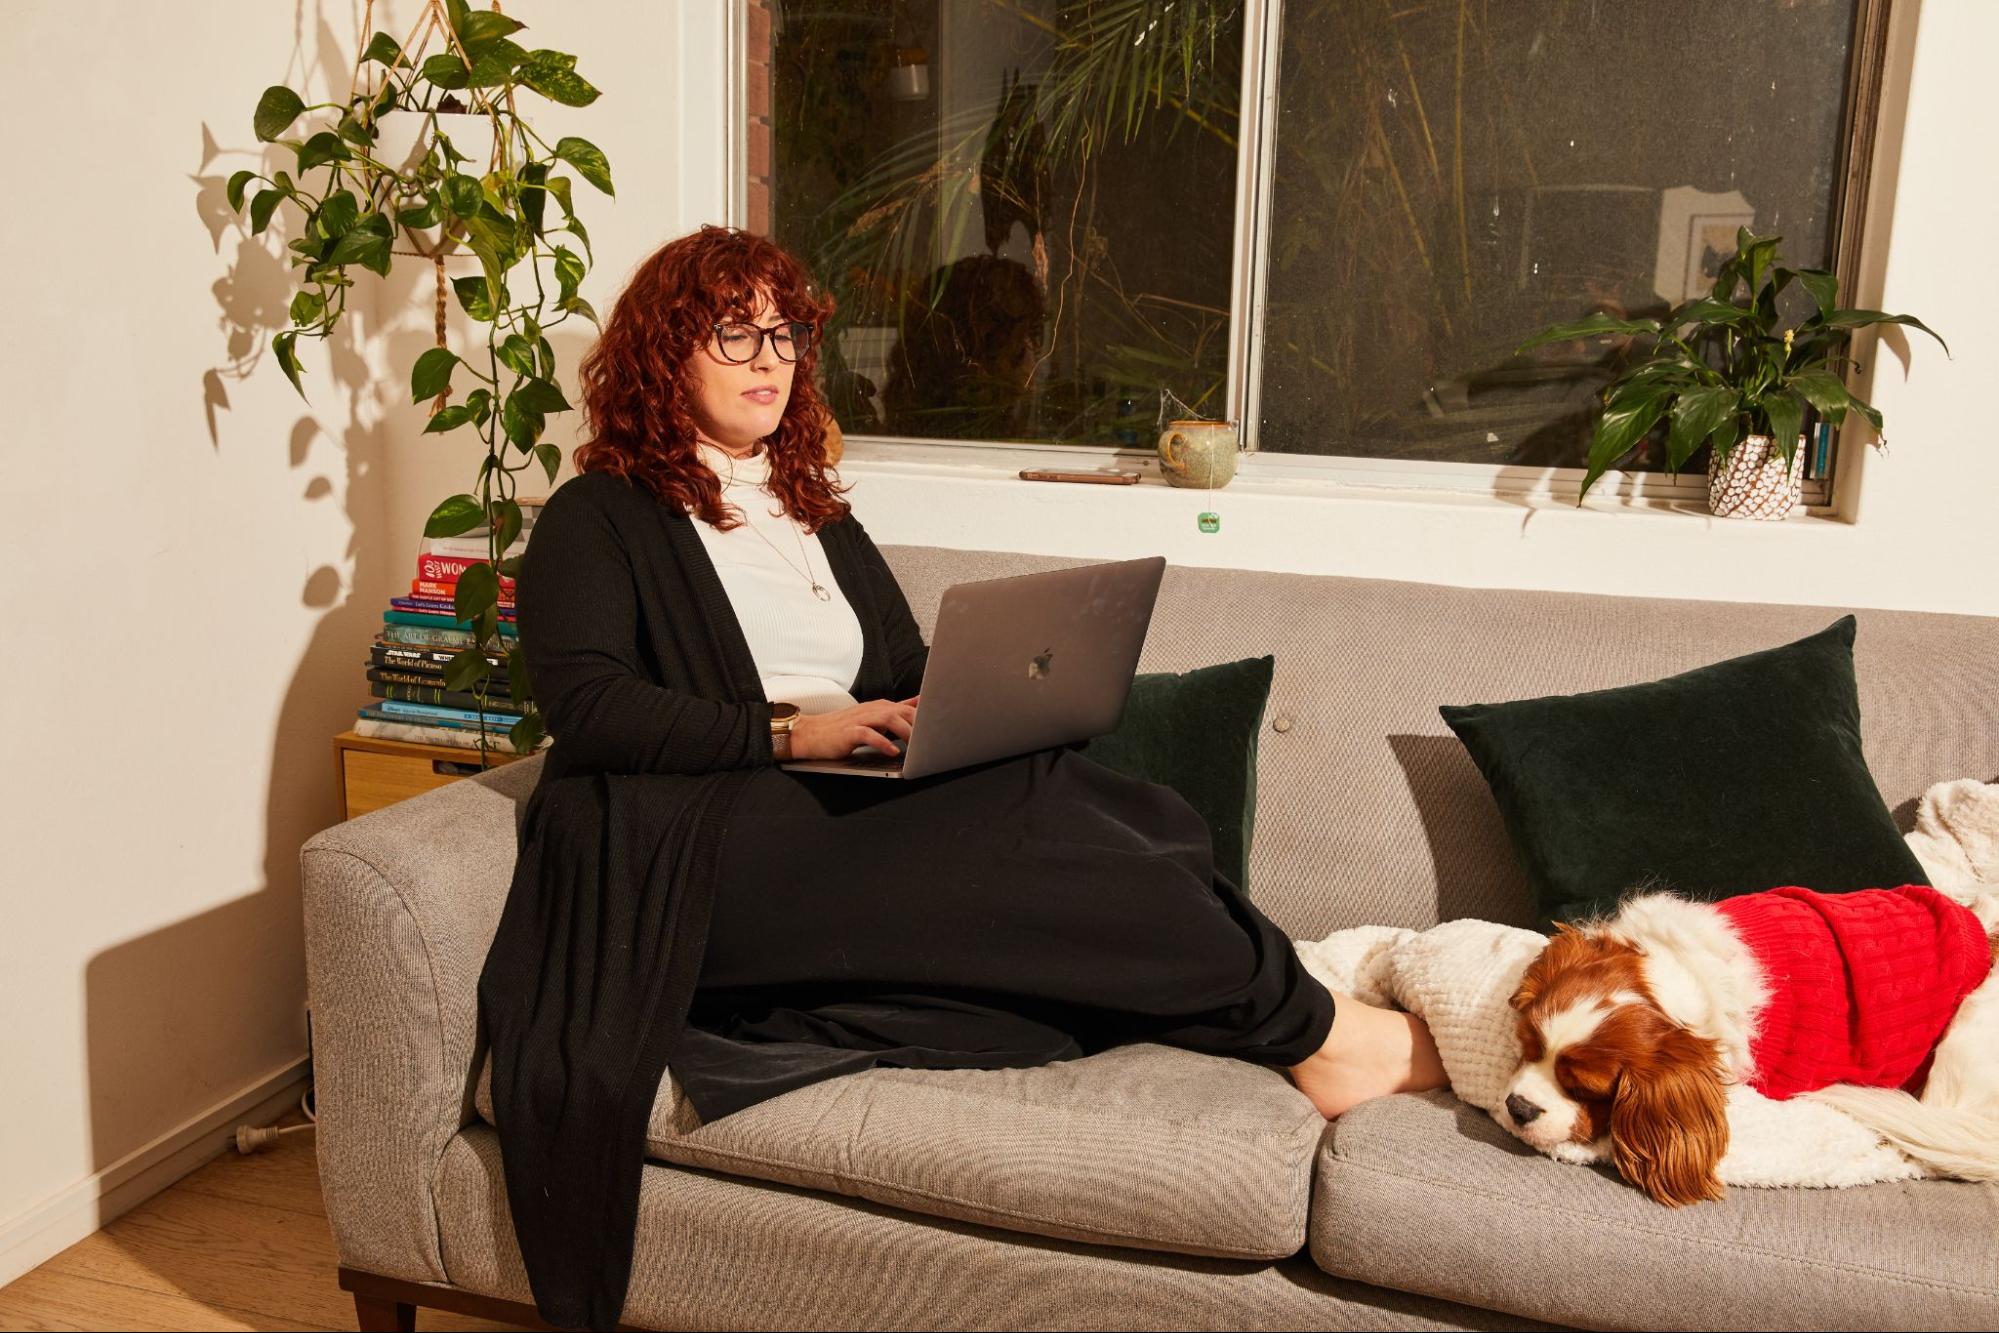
x: 1669, y: 1118
x: 1568, y: 948
x: 1531, y: 983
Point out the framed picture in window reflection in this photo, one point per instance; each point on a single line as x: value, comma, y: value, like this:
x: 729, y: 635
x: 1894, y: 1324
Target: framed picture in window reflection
x: 1710, y: 244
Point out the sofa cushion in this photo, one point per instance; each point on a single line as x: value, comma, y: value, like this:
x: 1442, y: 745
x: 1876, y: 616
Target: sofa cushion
x: 1732, y: 778
x: 1428, y: 1195
x: 1196, y: 732
x: 716, y: 1251
x: 1141, y: 1145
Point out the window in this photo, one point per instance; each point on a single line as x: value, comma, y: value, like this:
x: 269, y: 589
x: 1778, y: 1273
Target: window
x: 1025, y: 209
x: 1065, y: 221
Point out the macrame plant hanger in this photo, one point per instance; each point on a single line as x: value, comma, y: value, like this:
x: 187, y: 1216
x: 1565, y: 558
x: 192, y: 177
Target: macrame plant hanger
x: 433, y: 21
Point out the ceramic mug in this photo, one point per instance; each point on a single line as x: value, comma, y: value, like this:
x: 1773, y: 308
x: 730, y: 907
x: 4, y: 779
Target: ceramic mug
x: 1200, y: 454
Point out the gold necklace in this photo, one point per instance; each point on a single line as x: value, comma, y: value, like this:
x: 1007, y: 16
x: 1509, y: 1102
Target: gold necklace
x: 817, y: 590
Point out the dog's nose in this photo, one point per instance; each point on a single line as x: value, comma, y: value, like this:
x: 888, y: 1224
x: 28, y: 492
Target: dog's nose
x: 1524, y: 1112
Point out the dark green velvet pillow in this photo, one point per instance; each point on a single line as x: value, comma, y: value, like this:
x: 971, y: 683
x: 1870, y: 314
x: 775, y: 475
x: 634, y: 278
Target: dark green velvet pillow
x: 1732, y: 778
x: 1196, y: 733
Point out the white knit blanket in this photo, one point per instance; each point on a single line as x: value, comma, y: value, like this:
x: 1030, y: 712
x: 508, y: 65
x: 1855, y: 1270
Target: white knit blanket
x: 1460, y: 975
x: 1957, y: 836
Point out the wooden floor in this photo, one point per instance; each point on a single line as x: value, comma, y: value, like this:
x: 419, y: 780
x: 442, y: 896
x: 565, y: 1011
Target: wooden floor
x: 240, y: 1243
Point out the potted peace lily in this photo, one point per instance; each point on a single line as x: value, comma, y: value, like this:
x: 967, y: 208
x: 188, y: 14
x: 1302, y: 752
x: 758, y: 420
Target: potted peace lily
x: 1721, y: 372
x: 394, y: 178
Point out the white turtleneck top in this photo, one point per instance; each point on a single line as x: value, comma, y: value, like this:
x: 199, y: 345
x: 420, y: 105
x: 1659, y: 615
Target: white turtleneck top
x: 807, y: 652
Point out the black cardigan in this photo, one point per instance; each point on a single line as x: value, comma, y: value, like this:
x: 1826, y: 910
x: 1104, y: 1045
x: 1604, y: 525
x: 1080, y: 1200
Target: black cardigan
x: 638, y: 662
x: 641, y: 669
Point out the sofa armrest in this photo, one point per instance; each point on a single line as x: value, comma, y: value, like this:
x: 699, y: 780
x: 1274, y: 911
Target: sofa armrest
x: 400, y: 908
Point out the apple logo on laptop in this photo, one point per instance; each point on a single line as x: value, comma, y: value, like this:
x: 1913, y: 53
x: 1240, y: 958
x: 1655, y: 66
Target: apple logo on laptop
x: 1037, y: 666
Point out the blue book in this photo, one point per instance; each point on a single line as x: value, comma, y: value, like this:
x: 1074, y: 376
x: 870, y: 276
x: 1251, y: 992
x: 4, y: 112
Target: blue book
x: 418, y: 712
x: 496, y: 728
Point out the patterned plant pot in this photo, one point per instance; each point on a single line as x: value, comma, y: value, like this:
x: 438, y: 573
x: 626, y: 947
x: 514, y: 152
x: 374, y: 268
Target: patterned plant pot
x: 1754, y: 483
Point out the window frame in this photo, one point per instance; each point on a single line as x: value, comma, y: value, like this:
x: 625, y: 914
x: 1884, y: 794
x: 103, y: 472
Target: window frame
x: 1262, y: 35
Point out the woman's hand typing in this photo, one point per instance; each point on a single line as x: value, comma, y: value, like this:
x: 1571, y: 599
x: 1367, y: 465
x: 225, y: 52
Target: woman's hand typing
x: 837, y: 734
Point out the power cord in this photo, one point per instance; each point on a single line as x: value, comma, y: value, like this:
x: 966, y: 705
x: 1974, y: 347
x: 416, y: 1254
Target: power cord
x: 251, y: 1138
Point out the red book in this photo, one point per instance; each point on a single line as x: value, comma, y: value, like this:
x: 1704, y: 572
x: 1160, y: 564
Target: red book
x: 447, y: 568
x: 448, y: 591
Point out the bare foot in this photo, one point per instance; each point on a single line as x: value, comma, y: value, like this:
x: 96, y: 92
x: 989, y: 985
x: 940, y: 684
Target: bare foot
x: 1369, y: 1053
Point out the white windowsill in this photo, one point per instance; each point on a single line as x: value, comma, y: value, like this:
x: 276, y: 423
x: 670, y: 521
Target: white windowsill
x: 1309, y: 515
x: 1304, y: 476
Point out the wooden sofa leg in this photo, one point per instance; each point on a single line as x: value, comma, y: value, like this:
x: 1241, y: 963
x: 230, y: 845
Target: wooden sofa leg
x: 378, y: 1315
x: 391, y: 1303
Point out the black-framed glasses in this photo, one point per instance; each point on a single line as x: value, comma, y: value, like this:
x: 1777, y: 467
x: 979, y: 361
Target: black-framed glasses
x: 739, y: 344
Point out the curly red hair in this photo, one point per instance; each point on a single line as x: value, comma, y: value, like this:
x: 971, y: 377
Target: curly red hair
x: 637, y: 383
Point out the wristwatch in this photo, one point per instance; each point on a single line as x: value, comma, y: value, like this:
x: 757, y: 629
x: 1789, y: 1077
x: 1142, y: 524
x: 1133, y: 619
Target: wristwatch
x: 783, y: 717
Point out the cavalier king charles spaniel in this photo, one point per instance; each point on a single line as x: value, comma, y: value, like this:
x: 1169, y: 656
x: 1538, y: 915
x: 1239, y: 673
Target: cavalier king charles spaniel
x: 1632, y: 1028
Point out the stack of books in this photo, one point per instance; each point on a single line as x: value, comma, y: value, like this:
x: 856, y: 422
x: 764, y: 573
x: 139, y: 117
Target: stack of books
x: 421, y: 633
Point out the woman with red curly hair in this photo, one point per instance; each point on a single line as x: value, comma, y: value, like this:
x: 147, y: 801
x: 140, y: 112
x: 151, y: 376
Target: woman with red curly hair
x: 681, y: 903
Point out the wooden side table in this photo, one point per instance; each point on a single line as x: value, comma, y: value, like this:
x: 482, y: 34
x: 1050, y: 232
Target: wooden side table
x: 372, y: 772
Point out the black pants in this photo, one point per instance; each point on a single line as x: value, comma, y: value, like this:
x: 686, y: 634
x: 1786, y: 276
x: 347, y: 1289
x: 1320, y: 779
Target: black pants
x: 1030, y: 909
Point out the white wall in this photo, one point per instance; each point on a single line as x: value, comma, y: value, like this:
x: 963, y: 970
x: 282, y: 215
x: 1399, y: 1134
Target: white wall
x: 194, y: 558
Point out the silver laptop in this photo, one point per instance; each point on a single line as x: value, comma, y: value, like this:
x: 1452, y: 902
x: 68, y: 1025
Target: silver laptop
x: 1020, y: 664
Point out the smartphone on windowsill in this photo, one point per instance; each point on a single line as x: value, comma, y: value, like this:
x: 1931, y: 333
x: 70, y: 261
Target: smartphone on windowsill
x: 1103, y: 476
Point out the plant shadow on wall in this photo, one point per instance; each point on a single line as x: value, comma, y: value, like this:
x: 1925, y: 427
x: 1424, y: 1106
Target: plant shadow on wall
x: 1040, y: 250
x: 181, y: 1001
x: 200, y: 996
x: 428, y: 158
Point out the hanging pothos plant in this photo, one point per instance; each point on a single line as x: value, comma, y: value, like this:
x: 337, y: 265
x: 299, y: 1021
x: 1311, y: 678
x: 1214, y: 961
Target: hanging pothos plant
x: 427, y: 199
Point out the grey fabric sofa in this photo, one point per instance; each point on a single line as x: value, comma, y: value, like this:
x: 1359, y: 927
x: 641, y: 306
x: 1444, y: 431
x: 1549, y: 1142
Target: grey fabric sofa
x: 1148, y: 1187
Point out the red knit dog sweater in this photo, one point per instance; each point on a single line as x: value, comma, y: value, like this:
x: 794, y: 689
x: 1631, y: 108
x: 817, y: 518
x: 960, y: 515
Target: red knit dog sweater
x: 1861, y: 985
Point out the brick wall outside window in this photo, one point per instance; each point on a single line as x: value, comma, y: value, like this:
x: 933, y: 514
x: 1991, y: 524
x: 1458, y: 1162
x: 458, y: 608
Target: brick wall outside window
x: 757, y: 88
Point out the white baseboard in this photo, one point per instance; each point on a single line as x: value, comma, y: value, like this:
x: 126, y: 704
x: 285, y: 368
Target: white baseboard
x: 48, y: 1228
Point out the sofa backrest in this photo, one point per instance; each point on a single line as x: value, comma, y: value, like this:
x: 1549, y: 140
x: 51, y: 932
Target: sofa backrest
x: 1368, y: 808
